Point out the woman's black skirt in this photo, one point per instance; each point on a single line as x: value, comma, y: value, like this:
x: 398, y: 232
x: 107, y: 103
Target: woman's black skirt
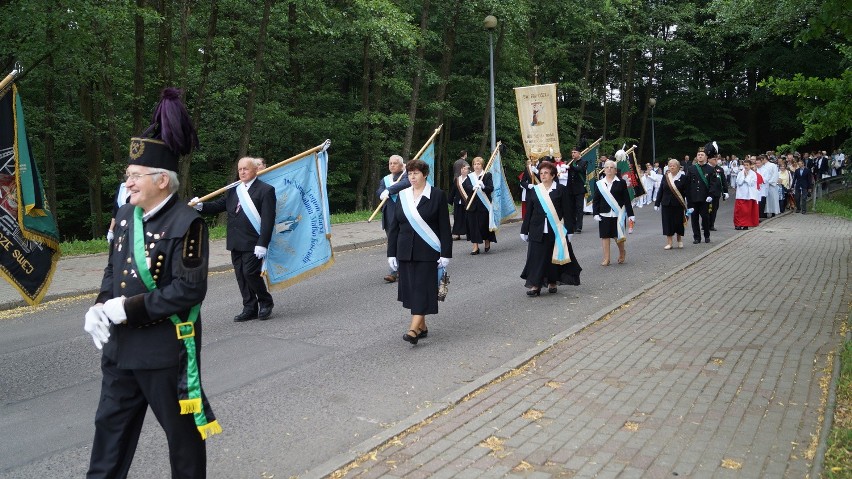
x: 459, y: 220
x: 672, y: 220
x: 418, y: 286
x: 608, y: 227
x: 477, y: 226
x: 539, y: 270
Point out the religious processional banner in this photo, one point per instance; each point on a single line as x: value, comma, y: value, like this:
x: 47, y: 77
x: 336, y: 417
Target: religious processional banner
x: 301, y: 238
x: 501, y: 198
x: 628, y: 169
x: 428, y: 157
x: 537, y: 119
x: 29, y: 238
x: 592, y: 172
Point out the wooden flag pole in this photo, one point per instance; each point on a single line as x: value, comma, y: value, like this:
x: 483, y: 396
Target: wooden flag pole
x: 419, y: 153
x: 589, y: 148
x: 9, y: 78
x: 301, y: 155
x: 485, y: 170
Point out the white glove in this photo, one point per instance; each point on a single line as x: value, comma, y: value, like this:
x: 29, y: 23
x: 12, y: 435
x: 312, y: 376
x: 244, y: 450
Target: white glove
x: 534, y: 169
x: 597, y: 217
x: 393, y: 263
x: 530, y: 186
x: 525, y: 238
x: 689, y: 211
x: 631, y: 218
x: 726, y: 195
x: 260, y: 252
x: 97, y: 324
x: 114, y: 310
x: 110, y: 236
x: 385, y: 195
x: 709, y: 199
x: 570, y: 237
x: 656, y: 208
x: 443, y: 262
x: 197, y: 204
x: 478, y: 185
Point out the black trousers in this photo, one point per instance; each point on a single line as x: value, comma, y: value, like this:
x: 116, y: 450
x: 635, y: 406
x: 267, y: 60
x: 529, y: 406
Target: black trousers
x: 125, y: 397
x: 801, y: 200
x: 252, y: 286
x: 701, y: 211
x: 574, y: 218
x: 713, y: 212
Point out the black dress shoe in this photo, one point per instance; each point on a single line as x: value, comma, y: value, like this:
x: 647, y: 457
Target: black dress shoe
x: 474, y: 252
x: 579, y: 231
x: 698, y: 241
x: 534, y: 292
x: 411, y: 339
x: 713, y: 229
x: 264, y: 313
x: 551, y: 290
x: 245, y: 316
x: 706, y: 240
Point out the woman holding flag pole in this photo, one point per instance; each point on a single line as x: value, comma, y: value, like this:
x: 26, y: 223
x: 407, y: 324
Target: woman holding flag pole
x: 420, y: 246
x: 612, y: 209
x: 550, y: 257
x: 479, y: 215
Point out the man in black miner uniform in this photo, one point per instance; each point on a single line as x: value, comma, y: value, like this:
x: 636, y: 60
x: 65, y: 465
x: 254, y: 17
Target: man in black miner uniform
x: 576, y: 192
x: 249, y: 233
x: 723, y: 189
x: 155, y: 280
x: 702, y: 186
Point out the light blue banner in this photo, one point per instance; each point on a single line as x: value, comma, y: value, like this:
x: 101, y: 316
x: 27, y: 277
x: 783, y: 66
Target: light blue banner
x: 501, y: 197
x: 428, y: 156
x: 301, y: 237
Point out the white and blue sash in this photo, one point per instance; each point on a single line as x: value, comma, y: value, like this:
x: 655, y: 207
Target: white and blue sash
x: 560, y: 248
x: 621, y: 221
x: 409, y: 207
x: 492, y: 226
x: 121, y: 197
x: 248, y: 207
x: 388, y: 180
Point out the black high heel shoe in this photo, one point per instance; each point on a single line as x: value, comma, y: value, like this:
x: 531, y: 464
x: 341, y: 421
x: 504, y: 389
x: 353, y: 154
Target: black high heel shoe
x: 474, y: 253
x: 551, y: 289
x: 534, y: 292
x: 411, y: 339
x: 422, y: 334
x: 487, y: 247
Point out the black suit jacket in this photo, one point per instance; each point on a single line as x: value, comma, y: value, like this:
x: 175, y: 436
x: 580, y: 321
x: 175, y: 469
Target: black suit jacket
x: 802, y: 179
x: 665, y: 196
x: 696, y: 190
x: 406, y: 245
x: 621, y: 195
x: 577, y: 177
x: 533, y: 224
x: 241, y: 234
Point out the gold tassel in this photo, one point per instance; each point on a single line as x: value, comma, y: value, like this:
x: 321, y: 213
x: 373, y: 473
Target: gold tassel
x: 209, y: 429
x: 190, y: 406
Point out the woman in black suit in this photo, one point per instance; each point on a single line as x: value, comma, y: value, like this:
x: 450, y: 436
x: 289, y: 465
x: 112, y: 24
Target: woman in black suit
x: 477, y: 216
x: 539, y: 232
x: 607, y: 218
x: 673, y: 203
x: 458, y: 198
x: 419, y: 243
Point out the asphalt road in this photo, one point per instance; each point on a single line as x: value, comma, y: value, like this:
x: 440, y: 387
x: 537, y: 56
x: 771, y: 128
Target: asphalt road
x: 328, y: 371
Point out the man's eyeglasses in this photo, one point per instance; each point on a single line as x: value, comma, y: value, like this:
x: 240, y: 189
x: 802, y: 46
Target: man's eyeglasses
x: 138, y: 176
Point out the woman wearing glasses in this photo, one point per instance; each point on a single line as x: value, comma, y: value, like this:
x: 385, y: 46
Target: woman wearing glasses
x: 612, y: 209
x: 550, y: 257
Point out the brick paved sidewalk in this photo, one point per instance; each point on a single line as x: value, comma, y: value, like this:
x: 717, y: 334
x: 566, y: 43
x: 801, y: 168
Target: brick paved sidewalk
x: 719, y: 370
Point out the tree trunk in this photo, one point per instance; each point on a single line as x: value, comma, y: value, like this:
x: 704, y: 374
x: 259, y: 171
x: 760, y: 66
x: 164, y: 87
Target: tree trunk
x: 648, y: 93
x: 293, y: 44
x: 604, y: 93
x: 256, y: 73
x: 49, y: 117
x: 201, y: 96
x: 139, y: 68
x: 165, y: 64
x: 626, y: 95
x: 365, y: 127
x: 93, y: 154
x: 183, y: 166
x: 375, y: 174
x: 585, y: 90
x: 415, y: 87
x: 442, y: 158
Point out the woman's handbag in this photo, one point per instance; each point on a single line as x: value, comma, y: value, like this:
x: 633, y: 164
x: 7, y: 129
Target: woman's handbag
x: 443, y: 286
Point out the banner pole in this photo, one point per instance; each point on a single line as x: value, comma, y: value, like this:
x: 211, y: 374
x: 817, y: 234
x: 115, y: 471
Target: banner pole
x: 485, y: 170
x: 301, y: 155
x: 9, y: 78
x: 419, y: 153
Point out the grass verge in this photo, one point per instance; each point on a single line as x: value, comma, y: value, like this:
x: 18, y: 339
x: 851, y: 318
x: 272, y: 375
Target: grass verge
x: 838, y: 455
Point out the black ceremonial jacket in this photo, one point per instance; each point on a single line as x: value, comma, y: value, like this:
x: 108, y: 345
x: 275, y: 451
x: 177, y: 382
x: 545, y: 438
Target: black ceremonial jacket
x: 241, y: 233
x: 696, y: 190
x: 176, y: 243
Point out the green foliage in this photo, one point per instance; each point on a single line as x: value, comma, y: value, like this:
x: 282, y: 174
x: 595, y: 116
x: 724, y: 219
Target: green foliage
x: 838, y: 455
x: 838, y: 204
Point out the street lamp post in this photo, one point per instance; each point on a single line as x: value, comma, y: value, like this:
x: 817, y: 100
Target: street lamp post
x: 652, y: 102
x: 490, y: 24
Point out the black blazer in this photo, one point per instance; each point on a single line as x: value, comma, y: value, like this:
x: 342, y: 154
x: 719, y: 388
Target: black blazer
x: 406, y: 245
x: 455, y: 196
x: 802, y: 179
x: 665, y: 196
x: 241, y: 234
x: 697, y: 191
x: 621, y: 195
x: 577, y: 177
x: 535, y: 218
x: 487, y: 188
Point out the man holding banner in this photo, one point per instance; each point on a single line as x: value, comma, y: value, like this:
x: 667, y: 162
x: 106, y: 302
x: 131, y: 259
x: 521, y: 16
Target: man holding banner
x: 576, y: 184
x: 389, y: 188
x: 251, y: 218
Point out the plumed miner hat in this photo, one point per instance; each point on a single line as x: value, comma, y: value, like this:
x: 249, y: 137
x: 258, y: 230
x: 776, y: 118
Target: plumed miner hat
x: 711, y: 149
x: 170, y: 135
